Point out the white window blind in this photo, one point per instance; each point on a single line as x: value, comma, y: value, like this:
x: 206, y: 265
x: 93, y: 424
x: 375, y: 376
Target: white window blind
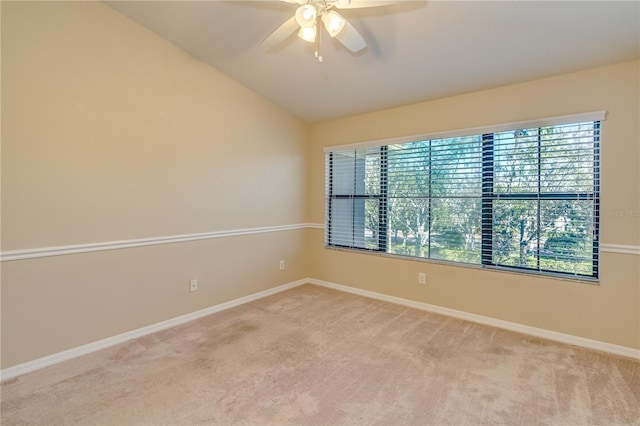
x: 525, y: 198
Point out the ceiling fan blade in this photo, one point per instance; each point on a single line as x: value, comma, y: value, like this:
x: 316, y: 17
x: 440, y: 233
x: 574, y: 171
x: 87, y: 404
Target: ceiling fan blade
x: 358, y: 4
x: 282, y: 32
x: 351, y: 38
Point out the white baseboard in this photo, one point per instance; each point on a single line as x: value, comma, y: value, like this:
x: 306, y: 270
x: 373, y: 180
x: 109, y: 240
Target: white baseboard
x: 59, y: 357
x: 493, y: 322
x: 67, y: 355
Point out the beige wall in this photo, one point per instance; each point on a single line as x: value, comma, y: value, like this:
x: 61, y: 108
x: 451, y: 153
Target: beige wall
x: 608, y: 312
x: 111, y: 133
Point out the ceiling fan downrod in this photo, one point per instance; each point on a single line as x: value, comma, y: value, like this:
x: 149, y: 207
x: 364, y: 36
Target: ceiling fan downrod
x: 318, y: 41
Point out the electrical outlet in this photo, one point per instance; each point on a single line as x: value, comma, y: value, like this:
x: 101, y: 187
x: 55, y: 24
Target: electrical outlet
x: 422, y: 278
x: 282, y: 265
x: 193, y: 285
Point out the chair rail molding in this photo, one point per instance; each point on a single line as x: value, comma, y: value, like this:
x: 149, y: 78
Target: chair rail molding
x: 6, y: 256
x: 34, y: 253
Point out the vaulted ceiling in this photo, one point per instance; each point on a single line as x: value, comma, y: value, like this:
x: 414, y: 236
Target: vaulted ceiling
x: 417, y: 50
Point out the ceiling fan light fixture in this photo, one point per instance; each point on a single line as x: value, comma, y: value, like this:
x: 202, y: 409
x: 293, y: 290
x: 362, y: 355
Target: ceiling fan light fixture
x: 333, y: 22
x: 306, y: 15
x: 308, y: 33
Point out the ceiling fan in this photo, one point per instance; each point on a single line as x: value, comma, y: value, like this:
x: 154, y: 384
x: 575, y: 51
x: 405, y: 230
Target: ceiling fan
x: 312, y: 15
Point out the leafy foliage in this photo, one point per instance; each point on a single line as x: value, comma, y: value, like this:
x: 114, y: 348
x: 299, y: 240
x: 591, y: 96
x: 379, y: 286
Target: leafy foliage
x: 434, y: 198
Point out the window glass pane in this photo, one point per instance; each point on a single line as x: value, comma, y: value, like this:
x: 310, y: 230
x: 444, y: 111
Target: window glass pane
x: 372, y: 220
x: 356, y: 172
x: 353, y: 177
x: 565, y: 242
x: 347, y: 222
x: 408, y: 170
x: 354, y: 223
x: 456, y: 166
x: 455, y: 230
x: 344, y: 169
x: 566, y: 237
x: 408, y: 226
x: 515, y: 233
x: 515, y: 159
x: 567, y: 158
x: 372, y: 174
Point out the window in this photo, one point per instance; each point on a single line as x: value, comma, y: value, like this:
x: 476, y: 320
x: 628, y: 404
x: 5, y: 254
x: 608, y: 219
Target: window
x: 523, y: 197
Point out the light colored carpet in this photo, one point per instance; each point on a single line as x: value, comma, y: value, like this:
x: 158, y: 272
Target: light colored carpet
x: 312, y: 355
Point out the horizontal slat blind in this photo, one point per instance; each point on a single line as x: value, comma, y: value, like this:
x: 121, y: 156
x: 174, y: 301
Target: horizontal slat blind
x: 526, y: 198
x: 434, y: 190
x: 354, y: 201
x: 545, y: 199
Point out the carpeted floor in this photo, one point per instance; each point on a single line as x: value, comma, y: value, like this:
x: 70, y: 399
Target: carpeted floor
x: 312, y: 355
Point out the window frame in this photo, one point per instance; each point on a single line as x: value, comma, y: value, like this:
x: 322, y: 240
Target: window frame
x: 488, y: 196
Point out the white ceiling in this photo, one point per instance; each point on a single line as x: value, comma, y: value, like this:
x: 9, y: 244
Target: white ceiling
x: 417, y: 50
